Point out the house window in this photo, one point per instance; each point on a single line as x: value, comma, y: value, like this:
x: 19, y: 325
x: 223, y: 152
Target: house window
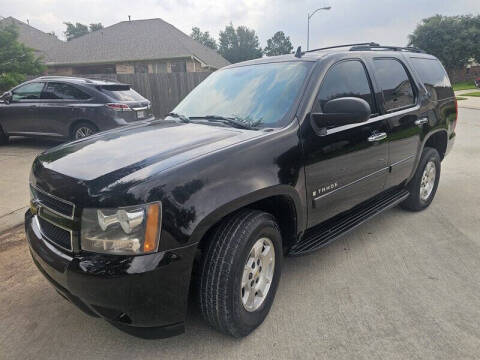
x: 179, y: 66
x: 141, y: 68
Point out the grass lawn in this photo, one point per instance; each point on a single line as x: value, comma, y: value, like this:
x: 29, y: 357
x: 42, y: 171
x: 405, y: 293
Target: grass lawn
x: 464, y: 86
x: 475, y: 93
x: 461, y: 98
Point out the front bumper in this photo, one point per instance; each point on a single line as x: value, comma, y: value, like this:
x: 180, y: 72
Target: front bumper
x: 129, y: 291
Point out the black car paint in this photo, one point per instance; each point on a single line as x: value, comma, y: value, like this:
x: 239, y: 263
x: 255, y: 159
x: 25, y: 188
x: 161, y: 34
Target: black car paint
x: 56, y: 118
x: 213, y: 172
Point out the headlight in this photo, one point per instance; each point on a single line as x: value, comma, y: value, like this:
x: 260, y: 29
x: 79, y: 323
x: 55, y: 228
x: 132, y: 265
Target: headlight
x: 123, y: 231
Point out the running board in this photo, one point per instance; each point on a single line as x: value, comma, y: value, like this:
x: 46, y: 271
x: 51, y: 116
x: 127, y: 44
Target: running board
x: 330, y: 230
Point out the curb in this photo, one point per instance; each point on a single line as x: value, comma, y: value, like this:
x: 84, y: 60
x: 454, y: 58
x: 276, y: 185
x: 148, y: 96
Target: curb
x: 469, y: 107
x: 12, y: 219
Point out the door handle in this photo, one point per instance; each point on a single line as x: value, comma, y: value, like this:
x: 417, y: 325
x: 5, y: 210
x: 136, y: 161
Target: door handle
x: 421, y: 121
x: 377, y: 137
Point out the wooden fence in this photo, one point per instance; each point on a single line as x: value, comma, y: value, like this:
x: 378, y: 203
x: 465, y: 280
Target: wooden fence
x: 165, y: 91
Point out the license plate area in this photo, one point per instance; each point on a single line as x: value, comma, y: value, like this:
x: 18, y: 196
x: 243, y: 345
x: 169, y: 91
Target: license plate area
x: 140, y: 114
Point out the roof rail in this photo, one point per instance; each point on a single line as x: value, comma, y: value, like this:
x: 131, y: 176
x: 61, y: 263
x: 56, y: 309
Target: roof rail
x: 367, y: 46
x: 371, y: 44
x: 374, y: 46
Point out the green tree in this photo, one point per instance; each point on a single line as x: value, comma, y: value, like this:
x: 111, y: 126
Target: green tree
x: 278, y: 44
x: 76, y: 30
x: 239, y: 44
x: 453, y: 39
x: 203, y: 37
x: 95, y: 26
x: 16, y: 60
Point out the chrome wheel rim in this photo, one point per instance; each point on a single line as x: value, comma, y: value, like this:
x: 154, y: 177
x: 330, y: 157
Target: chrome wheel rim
x: 82, y: 132
x: 257, y: 274
x: 428, y: 180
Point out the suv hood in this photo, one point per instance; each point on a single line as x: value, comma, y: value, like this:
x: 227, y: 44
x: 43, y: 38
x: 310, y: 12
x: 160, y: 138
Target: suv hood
x: 123, y: 151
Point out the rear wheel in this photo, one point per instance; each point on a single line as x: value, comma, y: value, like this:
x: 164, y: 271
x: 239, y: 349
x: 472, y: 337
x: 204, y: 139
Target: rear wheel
x: 3, y: 137
x: 240, y: 272
x: 82, y: 130
x: 424, y: 184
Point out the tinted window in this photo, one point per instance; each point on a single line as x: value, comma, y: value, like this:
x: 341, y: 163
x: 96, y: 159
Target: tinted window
x: 121, y: 93
x: 261, y: 94
x: 63, y: 91
x: 28, y: 91
x: 345, y: 79
x: 434, y: 77
x: 395, y: 84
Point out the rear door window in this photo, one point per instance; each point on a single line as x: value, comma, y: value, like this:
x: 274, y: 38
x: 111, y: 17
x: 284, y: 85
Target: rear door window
x: 395, y: 84
x: 434, y: 77
x: 121, y: 93
x: 31, y: 91
x: 63, y: 91
x: 345, y: 79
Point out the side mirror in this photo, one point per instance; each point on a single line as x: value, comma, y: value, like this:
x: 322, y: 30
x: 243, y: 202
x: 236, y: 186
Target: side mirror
x: 6, y: 97
x: 342, y: 111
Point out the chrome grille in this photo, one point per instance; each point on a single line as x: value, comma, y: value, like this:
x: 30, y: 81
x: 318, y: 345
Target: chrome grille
x: 55, y: 234
x: 57, y: 205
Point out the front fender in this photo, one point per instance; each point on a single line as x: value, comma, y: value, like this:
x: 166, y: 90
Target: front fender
x: 217, y: 214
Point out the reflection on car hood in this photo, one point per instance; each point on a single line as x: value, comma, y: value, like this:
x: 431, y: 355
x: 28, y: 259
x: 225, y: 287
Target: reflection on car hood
x: 129, y: 149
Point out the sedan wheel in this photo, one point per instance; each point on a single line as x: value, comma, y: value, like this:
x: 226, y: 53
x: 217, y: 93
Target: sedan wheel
x: 83, y: 131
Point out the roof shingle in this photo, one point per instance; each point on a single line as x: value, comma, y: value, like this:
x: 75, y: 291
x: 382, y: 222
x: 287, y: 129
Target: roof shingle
x: 134, y: 40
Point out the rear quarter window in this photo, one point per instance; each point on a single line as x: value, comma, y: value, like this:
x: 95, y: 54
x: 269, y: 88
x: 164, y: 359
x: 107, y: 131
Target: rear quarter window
x: 121, y: 93
x: 395, y: 83
x: 434, y: 77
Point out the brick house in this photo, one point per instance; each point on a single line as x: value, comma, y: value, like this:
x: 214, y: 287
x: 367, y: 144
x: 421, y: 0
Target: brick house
x: 138, y: 46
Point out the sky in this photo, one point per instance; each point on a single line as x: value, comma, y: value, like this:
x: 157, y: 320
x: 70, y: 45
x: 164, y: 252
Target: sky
x: 385, y: 21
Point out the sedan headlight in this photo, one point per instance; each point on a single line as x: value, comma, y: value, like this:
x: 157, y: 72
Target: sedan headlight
x: 128, y: 230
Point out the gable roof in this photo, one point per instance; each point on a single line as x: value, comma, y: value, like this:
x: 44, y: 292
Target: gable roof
x: 45, y: 45
x: 134, y: 40
x: 137, y: 40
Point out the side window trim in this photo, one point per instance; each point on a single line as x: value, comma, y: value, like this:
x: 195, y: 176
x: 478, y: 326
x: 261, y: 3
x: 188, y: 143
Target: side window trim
x: 369, y: 80
x: 64, y: 100
x: 411, y: 79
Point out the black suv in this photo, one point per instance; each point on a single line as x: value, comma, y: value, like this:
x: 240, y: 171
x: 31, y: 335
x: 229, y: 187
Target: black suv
x: 271, y: 157
x: 69, y: 108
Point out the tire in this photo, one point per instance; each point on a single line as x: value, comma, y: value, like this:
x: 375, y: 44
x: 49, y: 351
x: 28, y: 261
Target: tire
x: 418, y: 199
x: 221, y: 291
x: 3, y: 137
x: 83, y: 127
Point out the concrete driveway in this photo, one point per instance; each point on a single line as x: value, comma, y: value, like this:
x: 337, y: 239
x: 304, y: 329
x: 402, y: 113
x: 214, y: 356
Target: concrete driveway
x: 15, y: 161
x: 403, y: 286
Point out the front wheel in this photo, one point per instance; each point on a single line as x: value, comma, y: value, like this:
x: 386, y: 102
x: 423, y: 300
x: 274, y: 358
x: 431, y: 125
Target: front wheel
x: 424, y: 184
x: 240, y: 272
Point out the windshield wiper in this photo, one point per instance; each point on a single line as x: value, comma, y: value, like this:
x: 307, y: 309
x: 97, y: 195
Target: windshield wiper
x: 234, y: 121
x: 184, y: 118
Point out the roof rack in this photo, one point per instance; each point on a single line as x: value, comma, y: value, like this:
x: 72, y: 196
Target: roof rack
x: 385, y: 47
x: 367, y: 46
x: 370, y: 44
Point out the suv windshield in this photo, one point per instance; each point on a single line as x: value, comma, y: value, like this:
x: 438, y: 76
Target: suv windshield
x: 259, y: 95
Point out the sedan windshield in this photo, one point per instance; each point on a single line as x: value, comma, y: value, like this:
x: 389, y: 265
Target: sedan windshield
x: 258, y: 95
